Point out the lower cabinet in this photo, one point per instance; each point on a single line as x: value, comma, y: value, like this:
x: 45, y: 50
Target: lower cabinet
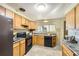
x: 19, y: 48
x: 22, y: 47
x: 16, y: 49
x: 34, y: 38
x: 66, y: 51
x: 54, y: 39
x: 40, y: 40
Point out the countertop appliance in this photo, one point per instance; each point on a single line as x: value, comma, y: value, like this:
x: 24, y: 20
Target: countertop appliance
x: 6, y: 36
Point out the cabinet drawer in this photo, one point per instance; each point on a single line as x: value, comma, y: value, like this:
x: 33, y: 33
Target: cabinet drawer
x: 22, y: 41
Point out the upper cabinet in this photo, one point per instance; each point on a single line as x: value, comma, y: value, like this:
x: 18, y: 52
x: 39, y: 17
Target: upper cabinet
x: 70, y: 19
x: 32, y: 25
x: 23, y: 21
x: 77, y: 17
x: 27, y: 22
x: 9, y: 14
x: 2, y: 10
x: 17, y: 21
x: 35, y: 25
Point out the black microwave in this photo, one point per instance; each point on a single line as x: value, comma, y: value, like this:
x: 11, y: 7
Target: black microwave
x: 21, y: 35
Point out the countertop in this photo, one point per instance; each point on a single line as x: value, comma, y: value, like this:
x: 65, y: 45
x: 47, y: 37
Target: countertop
x: 72, y: 46
x: 45, y: 35
x: 18, y: 39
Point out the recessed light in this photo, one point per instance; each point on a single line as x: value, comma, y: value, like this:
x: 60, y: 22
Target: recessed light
x: 45, y: 21
x: 41, y: 7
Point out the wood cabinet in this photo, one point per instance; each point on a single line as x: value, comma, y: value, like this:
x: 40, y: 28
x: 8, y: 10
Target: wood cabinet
x: 22, y: 47
x: 66, y: 51
x: 9, y: 14
x: 70, y: 19
x: 2, y: 10
x: 23, y: 21
x: 32, y: 25
x: 40, y: 40
x: 19, y: 48
x: 35, y: 25
x: 17, y: 21
x: 54, y: 39
x: 16, y: 49
x: 27, y: 22
x: 77, y: 16
x: 34, y: 40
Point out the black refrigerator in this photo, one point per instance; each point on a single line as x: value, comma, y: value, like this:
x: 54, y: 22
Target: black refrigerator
x: 6, y: 36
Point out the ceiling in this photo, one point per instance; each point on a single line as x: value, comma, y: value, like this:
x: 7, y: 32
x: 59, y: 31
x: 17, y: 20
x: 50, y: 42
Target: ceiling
x: 54, y: 10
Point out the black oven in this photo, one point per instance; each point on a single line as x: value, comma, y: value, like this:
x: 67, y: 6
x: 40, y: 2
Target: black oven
x: 28, y: 43
x: 21, y: 35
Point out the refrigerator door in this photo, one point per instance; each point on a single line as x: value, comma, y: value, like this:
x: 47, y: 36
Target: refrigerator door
x: 6, y: 36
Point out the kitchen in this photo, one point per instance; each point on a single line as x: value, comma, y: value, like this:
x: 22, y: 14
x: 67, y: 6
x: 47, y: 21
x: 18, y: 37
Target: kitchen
x: 30, y: 31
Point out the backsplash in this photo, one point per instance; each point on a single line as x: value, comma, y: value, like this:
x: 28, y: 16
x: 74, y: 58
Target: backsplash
x: 74, y: 32
x: 71, y: 32
x: 20, y: 30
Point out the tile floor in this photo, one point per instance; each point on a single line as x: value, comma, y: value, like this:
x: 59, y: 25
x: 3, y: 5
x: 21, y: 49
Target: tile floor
x: 44, y: 51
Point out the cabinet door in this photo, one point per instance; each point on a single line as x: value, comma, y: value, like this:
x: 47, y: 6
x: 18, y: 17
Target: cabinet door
x: 35, y: 25
x: 2, y: 10
x: 9, y: 14
x: 34, y: 40
x: 27, y: 22
x: 23, y: 21
x: 17, y: 20
x: 70, y: 19
x: 16, y: 49
x: 30, y: 25
x: 66, y: 51
x: 22, y: 47
x: 77, y: 17
x: 40, y: 40
x: 54, y: 41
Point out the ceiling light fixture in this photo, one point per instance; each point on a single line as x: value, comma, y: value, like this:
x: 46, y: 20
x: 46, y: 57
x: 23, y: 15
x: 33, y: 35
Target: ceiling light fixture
x: 41, y: 7
x: 45, y: 21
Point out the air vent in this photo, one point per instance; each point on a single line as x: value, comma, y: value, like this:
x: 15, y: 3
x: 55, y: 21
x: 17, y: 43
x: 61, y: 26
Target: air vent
x: 22, y: 9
